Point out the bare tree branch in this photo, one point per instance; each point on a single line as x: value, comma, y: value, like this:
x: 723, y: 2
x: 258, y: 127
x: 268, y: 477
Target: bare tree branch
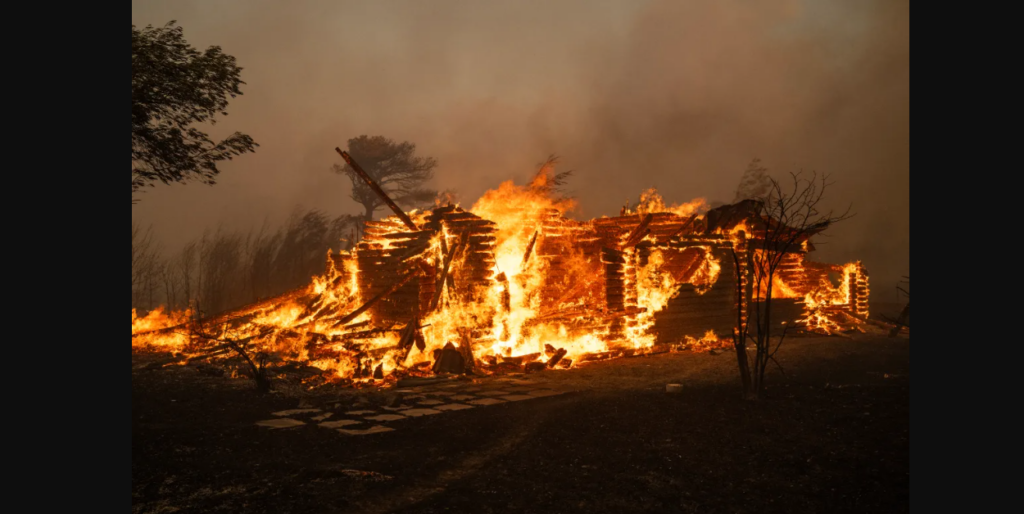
x: 786, y: 216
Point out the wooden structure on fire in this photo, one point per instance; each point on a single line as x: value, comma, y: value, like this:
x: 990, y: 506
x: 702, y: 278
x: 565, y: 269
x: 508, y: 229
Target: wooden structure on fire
x: 617, y: 247
x: 591, y: 283
x: 389, y: 249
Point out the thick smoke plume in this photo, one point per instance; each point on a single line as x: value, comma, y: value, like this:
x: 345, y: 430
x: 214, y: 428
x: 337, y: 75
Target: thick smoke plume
x: 678, y: 95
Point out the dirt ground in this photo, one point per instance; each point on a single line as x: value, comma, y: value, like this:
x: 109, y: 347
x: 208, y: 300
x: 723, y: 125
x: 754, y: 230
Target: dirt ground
x: 832, y: 435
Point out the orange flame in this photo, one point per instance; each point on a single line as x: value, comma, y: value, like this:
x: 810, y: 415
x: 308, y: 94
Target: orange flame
x: 154, y: 330
x: 651, y: 202
x: 818, y: 302
x: 708, y: 342
x: 515, y: 316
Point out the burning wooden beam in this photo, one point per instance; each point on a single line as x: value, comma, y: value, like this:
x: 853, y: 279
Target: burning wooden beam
x: 529, y: 249
x: 444, y: 272
x: 587, y: 288
x: 522, y: 359
x: 376, y: 189
x: 394, y: 287
x: 683, y: 227
x: 408, y: 338
x: 506, y: 294
x: 558, y: 356
x: 639, y: 233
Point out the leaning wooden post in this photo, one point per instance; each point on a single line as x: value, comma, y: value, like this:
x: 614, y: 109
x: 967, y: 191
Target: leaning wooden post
x: 394, y: 287
x: 529, y: 249
x: 444, y: 272
x: 639, y: 233
x: 376, y: 189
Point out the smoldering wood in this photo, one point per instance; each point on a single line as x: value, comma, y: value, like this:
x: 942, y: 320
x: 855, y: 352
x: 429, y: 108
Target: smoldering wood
x: 397, y: 285
x: 529, y: 249
x: 506, y: 294
x: 533, y: 367
x: 421, y: 342
x: 449, y: 360
x: 598, y: 356
x: 602, y: 293
x: 683, y: 228
x: 637, y: 234
x: 451, y: 287
x: 520, y: 360
x: 240, y: 315
x: 408, y: 337
x: 364, y: 334
x: 354, y: 326
x: 466, y: 350
x: 609, y: 255
x: 444, y: 273
x: 557, y: 357
x: 419, y: 235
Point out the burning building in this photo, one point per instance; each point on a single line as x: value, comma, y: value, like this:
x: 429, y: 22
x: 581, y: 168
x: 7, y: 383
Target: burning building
x: 512, y: 283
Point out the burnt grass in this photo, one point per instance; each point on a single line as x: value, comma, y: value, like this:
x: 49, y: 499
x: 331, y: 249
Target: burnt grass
x: 831, y: 435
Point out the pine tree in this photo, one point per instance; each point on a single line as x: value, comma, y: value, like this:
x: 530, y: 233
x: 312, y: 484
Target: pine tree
x: 755, y: 182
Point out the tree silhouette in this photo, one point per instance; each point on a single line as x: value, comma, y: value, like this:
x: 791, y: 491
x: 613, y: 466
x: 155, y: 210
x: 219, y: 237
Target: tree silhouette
x: 754, y: 184
x: 780, y: 220
x: 174, y: 88
x: 394, y: 167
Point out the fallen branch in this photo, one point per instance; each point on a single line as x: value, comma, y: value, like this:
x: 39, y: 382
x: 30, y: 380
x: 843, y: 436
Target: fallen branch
x: 258, y: 370
x: 558, y: 356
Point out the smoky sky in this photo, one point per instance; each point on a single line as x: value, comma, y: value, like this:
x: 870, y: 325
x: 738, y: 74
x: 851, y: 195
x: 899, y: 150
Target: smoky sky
x: 678, y: 95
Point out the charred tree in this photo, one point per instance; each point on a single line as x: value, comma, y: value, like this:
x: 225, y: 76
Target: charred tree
x: 904, y: 316
x: 780, y: 222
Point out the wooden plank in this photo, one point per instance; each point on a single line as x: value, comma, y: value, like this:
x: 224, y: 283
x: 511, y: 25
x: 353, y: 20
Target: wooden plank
x: 444, y: 273
x: 640, y: 232
x: 356, y: 313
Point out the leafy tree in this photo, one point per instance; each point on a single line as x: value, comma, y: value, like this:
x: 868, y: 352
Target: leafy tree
x: 394, y: 167
x: 174, y: 88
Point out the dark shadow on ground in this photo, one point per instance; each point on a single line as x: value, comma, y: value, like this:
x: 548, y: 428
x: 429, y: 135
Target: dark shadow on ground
x: 832, y: 435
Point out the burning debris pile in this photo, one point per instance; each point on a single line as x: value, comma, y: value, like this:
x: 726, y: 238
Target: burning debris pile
x: 513, y: 285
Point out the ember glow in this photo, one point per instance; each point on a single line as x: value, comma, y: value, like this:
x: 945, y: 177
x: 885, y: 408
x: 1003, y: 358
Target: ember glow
x: 513, y: 284
x: 848, y: 296
x: 709, y: 341
x: 154, y: 330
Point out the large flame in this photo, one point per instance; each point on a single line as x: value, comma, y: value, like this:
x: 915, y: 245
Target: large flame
x: 652, y: 202
x: 154, y: 330
x: 530, y: 309
x: 519, y: 213
x: 820, y: 302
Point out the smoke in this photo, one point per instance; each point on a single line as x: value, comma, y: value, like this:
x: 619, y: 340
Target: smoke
x: 678, y: 95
